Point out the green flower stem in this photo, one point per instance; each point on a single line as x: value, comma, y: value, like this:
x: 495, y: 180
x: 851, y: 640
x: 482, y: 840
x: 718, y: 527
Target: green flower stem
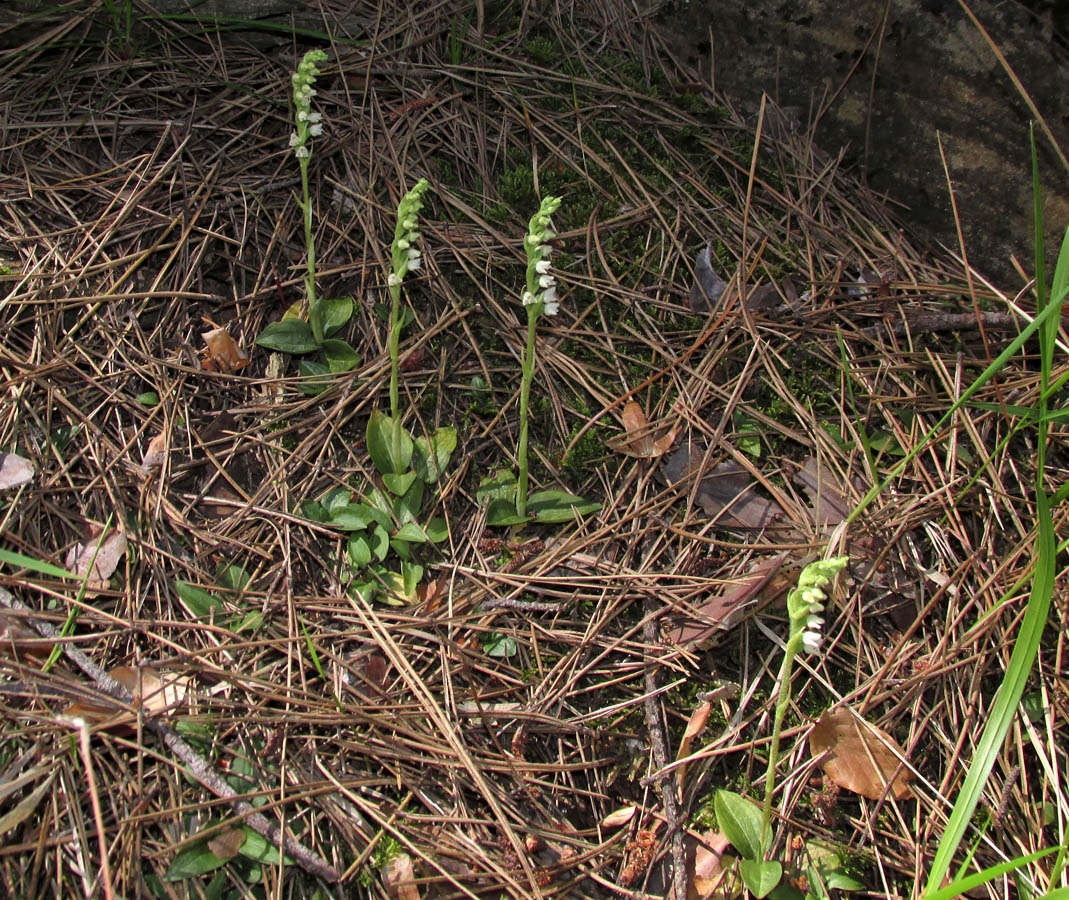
x: 310, y: 252
x: 525, y: 394
x: 394, y: 346
x: 783, y: 700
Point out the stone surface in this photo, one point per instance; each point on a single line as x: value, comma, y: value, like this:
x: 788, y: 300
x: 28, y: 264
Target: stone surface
x: 885, y: 77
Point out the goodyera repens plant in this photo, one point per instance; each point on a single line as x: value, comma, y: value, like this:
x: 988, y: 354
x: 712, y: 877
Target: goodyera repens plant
x: 539, y: 299
x: 309, y: 124
x: 510, y: 504
x: 805, y: 603
x: 405, y: 258
x: 311, y: 325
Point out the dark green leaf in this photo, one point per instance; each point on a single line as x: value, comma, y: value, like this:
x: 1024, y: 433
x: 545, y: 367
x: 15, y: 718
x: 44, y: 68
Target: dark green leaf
x: 335, y: 313
x: 379, y: 542
x: 500, y: 646
x: 740, y: 822
x: 315, y: 377
x: 193, y: 861
x: 314, y: 510
x: 559, y: 506
x: 149, y: 398
x: 437, y: 530
x: 399, y: 484
x: 499, y: 486
x: 288, y: 336
x: 430, y: 457
x: 503, y: 512
x: 257, y: 848
x: 336, y: 498
x: 359, y: 550
x: 340, y: 356
x: 412, y: 575
x: 351, y: 517
x: 233, y: 578
x: 759, y: 876
x: 400, y: 548
x: 411, y: 533
x: 407, y: 508
x: 200, y: 603
x: 380, y: 445
x: 374, y: 514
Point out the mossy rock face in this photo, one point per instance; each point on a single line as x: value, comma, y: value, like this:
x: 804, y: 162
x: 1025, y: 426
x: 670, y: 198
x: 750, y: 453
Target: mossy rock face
x: 934, y: 73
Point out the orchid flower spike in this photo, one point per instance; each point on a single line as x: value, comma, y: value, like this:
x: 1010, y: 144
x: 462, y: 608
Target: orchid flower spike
x: 541, y: 291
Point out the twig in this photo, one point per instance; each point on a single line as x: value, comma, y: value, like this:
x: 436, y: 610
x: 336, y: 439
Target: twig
x: 660, y: 758
x: 198, y: 766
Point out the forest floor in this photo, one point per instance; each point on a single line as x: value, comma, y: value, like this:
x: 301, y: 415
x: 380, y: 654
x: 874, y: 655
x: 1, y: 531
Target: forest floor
x: 545, y: 710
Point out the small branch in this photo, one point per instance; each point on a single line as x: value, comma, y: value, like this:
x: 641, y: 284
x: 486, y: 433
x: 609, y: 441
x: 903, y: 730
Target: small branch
x: 667, y: 785
x: 198, y: 766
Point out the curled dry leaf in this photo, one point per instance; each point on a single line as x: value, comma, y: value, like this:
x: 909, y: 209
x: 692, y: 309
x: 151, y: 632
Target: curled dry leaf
x: 14, y: 471
x: 154, y: 692
x: 727, y: 493
x: 226, y: 844
x: 221, y: 353
x: 723, y: 610
x: 638, y: 439
x: 155, y: 453
x: 710, y: 871
x: 399, y: 878
x: 620, y: 817
x: 19, y: 640
x: 695, y: 726
x: 84, y: 559
x: 859, y: 757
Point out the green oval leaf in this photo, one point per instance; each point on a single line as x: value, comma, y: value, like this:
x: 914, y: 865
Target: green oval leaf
x: 499, y: 486
x: 399, y: 484
x: 411, y: 533
x: 340, y: 356
x: 359, y: 550
x: 740, y: 821
x: 380, y: 445
x: 407, y: 508
x: 379, y: 542
x: 760, y: 877
x: 193, y: 861
x: 200, y: 603
x: 288, y: 336
x: 503, y: 512
x: 315, y: 377
x: 350, y: 517
x: 437, y: 530
x: 335, y: 313
x: 559, y: 506
x: 431, y: 456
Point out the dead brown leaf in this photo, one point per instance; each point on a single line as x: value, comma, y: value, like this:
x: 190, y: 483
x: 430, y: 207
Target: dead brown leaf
x: 399, y: 878
x: 14, y: 471
x: 85, y: 559
x: 727, y: 493
x: 710, y: 872
x: 19, y: 640
x: 154, y: 692
x: 695, y: 726
x: 860, y: 757
x: 155, y: 453
x: 722, y: 610
x: 221, y: 353
x: 638, y: 439
x: 620, y: 817
x: 226, y: 844
x: 830, y: 504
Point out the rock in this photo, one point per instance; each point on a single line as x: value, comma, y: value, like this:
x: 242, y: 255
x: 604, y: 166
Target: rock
x: 888, y: 87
